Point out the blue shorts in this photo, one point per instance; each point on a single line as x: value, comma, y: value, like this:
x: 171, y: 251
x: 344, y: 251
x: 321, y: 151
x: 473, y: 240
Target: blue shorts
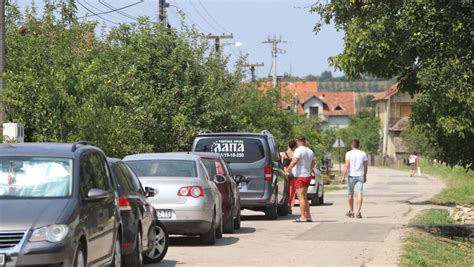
x: 355, y: 183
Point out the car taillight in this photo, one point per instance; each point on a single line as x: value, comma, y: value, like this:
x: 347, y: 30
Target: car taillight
x: 191, y: 191
x: 268, y: 172
x: 123, y: 203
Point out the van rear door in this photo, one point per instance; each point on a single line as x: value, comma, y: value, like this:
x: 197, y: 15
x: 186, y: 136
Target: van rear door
x: 246, y: 155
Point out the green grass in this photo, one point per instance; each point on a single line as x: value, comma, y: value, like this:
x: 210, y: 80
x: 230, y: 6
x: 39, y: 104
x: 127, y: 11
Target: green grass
x: 329, y: 188
x: 433, y: 216
x: 423, y: 249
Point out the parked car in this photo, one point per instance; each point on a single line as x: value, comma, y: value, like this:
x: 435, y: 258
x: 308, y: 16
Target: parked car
x: 316, y: 188
x: 188, y: 203
x: 144, y: 237
x: 254, y: 156
x: 221, y: 174
x: 58, y: 206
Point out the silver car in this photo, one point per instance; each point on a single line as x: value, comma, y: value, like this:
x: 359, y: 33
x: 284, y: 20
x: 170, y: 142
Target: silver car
x: 188, y: 203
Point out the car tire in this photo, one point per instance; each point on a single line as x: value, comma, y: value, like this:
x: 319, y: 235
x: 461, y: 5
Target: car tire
x: 117, y: 258
x: 220, y: 229
x: 237, y: 221
x: 80, y: 260
x: 160, y: 245
x: 321, y: 199
x: 284, y: 209
x: 315, y: 199
x: 229, y: 225
x: 209, y: 238
x: 136, y: 257
x: 271, y: 212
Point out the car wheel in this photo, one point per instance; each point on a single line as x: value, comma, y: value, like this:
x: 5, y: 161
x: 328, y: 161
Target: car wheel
x: 160, y: 245
x: 271, y: 212
x: 321, y: 199
x: 136, y: 257
x: 209, y: 238
x: 220, y: 229
x: 80, y: 259
x: 315, y: 199
x: 229, y: 225
x: 117, y: 259
x: 237, y: 220
x: 284, y: 209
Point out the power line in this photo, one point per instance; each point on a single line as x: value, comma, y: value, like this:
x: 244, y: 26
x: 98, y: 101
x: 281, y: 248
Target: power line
x: 212, y: 18
x: 100, y: 11
x: 114, y: 10
x: 274, y: 41
x: 95, y: 14
x: 183, y: 14
x: 205, y: 20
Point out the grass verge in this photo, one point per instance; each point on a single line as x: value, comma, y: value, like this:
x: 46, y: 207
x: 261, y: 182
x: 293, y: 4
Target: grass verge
x: 425, y: 249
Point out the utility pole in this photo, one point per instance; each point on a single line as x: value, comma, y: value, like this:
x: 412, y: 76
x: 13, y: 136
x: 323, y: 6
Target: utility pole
x: 217, y: 40
x: 3, y: 58
x: 252, y: 69
x: 162, y: 12
x: 274, y: 41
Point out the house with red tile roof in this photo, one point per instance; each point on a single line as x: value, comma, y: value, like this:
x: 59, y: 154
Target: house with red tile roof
x: 333, y: 109
x: 393, y: 107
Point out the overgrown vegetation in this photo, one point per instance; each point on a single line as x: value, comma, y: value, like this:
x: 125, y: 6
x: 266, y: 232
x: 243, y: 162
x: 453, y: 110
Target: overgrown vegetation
x: 433, y: 216
x: 135, y: 88
x: 428, y: 46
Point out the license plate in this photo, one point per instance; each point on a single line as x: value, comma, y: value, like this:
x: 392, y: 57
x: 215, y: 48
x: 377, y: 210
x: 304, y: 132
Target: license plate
x: 164, y: 214
x: 2, y: 259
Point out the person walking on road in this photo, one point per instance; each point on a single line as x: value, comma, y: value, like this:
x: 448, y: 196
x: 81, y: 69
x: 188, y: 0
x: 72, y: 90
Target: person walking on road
x: 413, y: 161
x: 303, y: 162
x: 286, y: 158
x: 356, y: 166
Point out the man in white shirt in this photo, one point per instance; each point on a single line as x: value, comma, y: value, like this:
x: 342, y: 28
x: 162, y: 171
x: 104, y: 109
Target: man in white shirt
x: 357, y: 166
x: 303, y: 162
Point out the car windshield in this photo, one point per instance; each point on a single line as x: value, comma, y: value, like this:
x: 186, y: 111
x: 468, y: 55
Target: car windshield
x: 35, y: 177
x: 163, y: 168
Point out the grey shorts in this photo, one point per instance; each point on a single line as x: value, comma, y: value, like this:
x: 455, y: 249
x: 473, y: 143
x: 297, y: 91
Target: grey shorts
x: 355, y: 183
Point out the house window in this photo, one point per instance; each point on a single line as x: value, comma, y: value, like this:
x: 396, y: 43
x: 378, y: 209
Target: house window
x: 338, y: 107
x: 313, y: 111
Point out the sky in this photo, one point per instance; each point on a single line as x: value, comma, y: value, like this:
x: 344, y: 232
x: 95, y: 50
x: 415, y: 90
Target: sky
x: 250, y: 22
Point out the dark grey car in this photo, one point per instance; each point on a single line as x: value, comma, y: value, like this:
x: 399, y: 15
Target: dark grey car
x: 58, y: 206
x: 144, y: 237
x: 254, y: 156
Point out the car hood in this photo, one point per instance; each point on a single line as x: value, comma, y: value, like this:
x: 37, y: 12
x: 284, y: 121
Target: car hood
x: 25, y: 214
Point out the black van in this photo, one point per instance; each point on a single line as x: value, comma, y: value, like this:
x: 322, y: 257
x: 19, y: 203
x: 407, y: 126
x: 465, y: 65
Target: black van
x: 254, y: 158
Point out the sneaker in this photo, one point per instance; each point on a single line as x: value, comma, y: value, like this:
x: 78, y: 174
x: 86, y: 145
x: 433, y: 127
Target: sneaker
x: 290, y: 211
x: 350, y: 214
x: 359, y: 216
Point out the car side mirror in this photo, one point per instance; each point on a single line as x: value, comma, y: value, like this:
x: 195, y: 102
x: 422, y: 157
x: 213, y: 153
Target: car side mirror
x: 97, y: 194
x: 150, y: 192
x: 239, y: 178
x: 219, y: 179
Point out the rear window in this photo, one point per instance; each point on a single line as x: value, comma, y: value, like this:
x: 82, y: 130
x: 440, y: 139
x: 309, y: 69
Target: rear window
x: 233, y: 149
x: 163, y: 168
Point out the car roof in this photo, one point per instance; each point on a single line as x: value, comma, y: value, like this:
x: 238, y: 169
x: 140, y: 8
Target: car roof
x: 171, y: 155
x: 234, y: 134
x: 209, y: 155
x: 42, y: 149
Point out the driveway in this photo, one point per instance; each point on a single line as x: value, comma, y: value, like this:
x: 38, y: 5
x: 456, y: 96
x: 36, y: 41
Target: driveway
x: 392, y: 198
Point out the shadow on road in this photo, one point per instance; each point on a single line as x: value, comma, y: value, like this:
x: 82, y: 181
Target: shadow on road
x: 428, y: 203
x: 190, y: 241
x: 164, y: 263
x: 262, y: 218
x: 374, y: 217
x: 245, y: 230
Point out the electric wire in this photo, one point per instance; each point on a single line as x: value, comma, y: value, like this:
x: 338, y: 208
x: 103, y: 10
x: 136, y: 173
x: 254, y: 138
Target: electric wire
x: 204, y: 18
x: 95, y: 14
x: 113, y: 8
x: 111, y: 11
x: 212, y: 17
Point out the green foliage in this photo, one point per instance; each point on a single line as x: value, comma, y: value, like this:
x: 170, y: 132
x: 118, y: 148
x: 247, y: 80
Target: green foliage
x: 415, y: 140
x: 139, y: 87
x: 428, y: 45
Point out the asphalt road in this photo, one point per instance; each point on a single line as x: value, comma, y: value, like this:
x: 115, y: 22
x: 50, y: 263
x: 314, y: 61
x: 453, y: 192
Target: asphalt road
x: 391, y: 199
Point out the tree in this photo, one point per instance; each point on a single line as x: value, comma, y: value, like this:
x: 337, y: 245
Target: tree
x: 326, y: 75
x: 428, y: 45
